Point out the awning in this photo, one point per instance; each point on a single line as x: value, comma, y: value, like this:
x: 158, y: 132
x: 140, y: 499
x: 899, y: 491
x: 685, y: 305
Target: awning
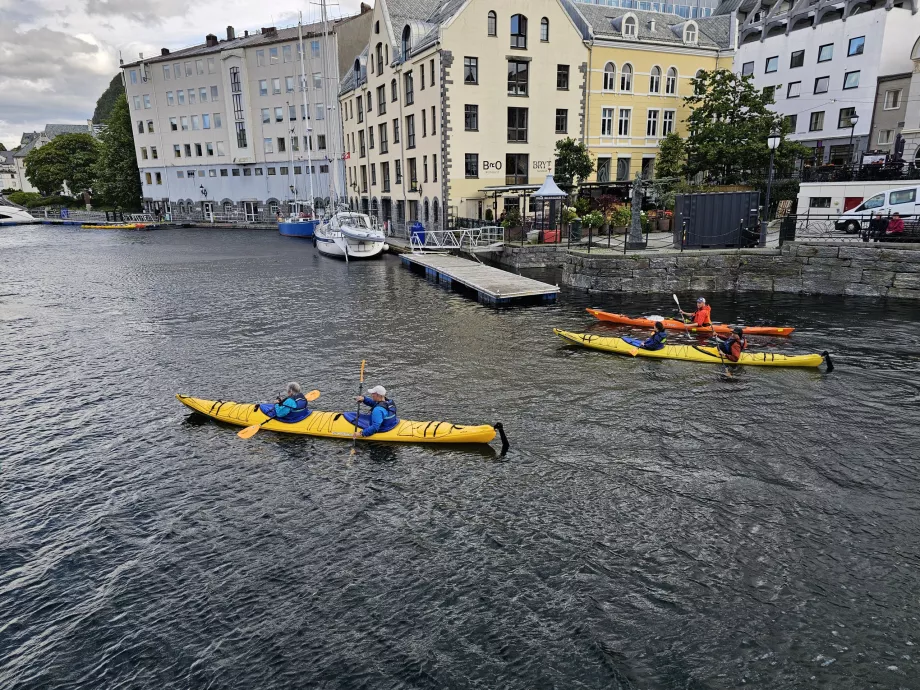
x: 510, y: 188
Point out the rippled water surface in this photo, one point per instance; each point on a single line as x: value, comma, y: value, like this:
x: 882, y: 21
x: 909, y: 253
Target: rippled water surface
x: 653, y: 526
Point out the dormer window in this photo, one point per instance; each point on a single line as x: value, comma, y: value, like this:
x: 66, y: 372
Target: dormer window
x: 690, y: 33
x: 406, y: 41
x: 519, y: 31
x: 629, y: 26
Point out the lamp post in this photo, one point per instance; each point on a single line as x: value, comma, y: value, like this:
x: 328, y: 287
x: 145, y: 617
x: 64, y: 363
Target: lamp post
x: 854, y: 118
x: 773, y: 142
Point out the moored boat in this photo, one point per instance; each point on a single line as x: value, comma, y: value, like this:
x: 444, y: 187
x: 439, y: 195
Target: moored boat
x: 12, y: 215
x: 674, y: 325
x: 297, y: 227
x: 348, y: 235
x: 336, y: 424
x: 693, y: 353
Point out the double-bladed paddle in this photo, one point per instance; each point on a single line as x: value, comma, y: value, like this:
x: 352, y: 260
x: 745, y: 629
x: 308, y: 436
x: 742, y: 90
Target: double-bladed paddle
x: 251, y: 431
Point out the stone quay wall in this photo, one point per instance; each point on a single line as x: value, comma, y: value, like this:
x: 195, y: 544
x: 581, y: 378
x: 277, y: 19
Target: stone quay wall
x: 532, y: 256
x: 820, y: 268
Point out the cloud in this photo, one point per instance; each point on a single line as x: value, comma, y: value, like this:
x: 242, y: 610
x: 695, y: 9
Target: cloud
x: 138, y: 10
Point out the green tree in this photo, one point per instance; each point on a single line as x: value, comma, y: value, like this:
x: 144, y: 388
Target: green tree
x: 573, y: 163
x: 2, y: 147
x: 729, y: 125
x: 107, y: 100
x: 118, y: 180
x: 69, y: 158
x: 672, y: 156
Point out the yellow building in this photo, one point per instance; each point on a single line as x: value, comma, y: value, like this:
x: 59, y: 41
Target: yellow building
x: 641, y: 66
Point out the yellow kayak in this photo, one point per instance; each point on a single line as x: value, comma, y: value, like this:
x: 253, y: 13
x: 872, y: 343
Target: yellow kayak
x: 693, y: 353
x: 126, y: 226
x: 334, y: 425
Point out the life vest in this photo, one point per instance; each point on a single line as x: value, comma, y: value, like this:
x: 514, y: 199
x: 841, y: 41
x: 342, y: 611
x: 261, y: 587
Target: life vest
x: 701, y: 316
x: 656, y: 342
x: 298, y: 413
x: 726, y: 347
x: 390, y: 420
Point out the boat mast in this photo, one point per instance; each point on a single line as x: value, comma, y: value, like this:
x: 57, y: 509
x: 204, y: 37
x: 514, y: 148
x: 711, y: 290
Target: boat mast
x: 333, y: 160
x: 306, y: 108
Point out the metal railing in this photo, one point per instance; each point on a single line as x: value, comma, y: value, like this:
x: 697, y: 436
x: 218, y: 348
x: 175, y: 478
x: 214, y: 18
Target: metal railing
x: 472, y: 240
x: 848, y: 228
x: 857, y: 172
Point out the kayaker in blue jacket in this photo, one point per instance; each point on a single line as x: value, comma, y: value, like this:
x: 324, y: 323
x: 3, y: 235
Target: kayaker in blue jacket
x: 289, y: 407
x: 383, y: 411
x: 658, y: 339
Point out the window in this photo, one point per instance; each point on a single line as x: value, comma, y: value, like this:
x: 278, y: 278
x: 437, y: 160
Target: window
x: 843, y: 118
x: 292, y: 113
x: 794, y: 89
x: 213, y: 93
x: 819, y: 202
x: 822, y: 84
x: 169, y: 99
x: 492, y: 27
x: 667, y: 122
x: 626, y: 78
x: 321, y: 142
x: 167, y: 73
x: 221, y: 152
x: 196, y: 122
x: 434, y: 168
x: 282, y: 144
x: 260, y: 58
x: 314, y: 49
x: 624, y: 122
x: 184, y: 123
x: 289, y: 84
x: 471, y: 118
x: 236, y: 172
x: 362, y: 147
x: 406, y: 41
x: 516, y: 168
x: 146, y: 101
x: 203, y: 95
x: 188, y: 69
x: 198, y: 152
x: 816, y: 121
x: 517, y: 124
x: 772, y: 64
x: 408, y: 84
x: 133, y: 74
x: 610, y: 77
x: 212, y: 67
x: 769, y: 93
x: 884, y: 136
x: 263, y: 87
x: 199, y: 66
x: 209, y: 148
x: 629, y: 26
x: 393, y: 91
x: 562, y: 77
x: 654, y: 80
x: 792, y: 121
x: 276, y: 85
x: 470, y: 70
x: 651, y: 125
x: 606, y: 122
x: 217, y: 122
x: 140, y: 126
x: 273, y: 55
x: 433, y: 127
x: 158, y: 177
x: 747, y: 68
x: 670, y: 84
x: 381, y: 100
x: 206, y: 121
x: 286, y: 54
x: 191, y: 97
x: 177, y: 71
x: 893, y: 99
x: 424, y: 168
x: 857, y: 45
x: 544, y: 29
x: 188, y: 150
x: 247, y: 172
x: 382, y: 131
x: 797, y: 59
x: 317, y: 80
x: 396, y: 130
x: 562, y: 120
x: 148, y: 178
x: 143, y: 153
x: 385, y: 176
x: 690, y: 33
x: 268, y: 145
x: 431, y: 71
x: 266, y: 115
x: 518, y: 31
x: 903, y: 196
x: 421, y: 78
x: 851, y: 80
x: 360, y: 102
x: 279, y: 114
x: 370, y: 137
x: 517, y: 77
x: 603, y: 169
x: 410, y: 131
x: 424, y: 124
x: 413, y: 173
x: 174, y: 124
x: 826, y: 52
x: 397, y: 165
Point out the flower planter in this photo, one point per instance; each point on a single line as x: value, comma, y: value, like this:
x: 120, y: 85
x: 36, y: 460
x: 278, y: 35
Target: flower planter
x: 664, y: 225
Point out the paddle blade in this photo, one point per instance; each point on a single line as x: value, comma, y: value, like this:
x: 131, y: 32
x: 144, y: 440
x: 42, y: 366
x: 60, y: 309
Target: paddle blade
x: 312, y: 395
x: 249, y: 431
x: 676, y: 301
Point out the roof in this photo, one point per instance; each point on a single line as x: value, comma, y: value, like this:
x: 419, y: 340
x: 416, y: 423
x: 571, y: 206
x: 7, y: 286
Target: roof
x: 606, y: 22
x: 30, y: 139
x: 727, y: 7
x: 6, y: 157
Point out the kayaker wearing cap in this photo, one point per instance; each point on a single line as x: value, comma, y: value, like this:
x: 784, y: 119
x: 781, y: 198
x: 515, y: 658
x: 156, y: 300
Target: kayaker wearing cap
x: 289, y: 407
x: 701, y: 317
x: 732, y: 346
x: 383, y: 411
x: 658, y: 339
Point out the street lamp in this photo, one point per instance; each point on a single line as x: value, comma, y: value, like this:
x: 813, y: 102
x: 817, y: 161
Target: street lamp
x: 854, y: 118
x: 773, y: 142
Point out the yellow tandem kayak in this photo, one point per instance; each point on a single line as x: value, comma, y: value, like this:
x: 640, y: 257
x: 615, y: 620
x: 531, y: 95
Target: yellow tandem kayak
x: 334, y: 425
x: 693, y: 353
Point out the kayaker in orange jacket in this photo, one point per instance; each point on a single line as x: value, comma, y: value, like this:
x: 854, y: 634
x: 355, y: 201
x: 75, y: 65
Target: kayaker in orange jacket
x: 701, y: 317
x: 733, y: 345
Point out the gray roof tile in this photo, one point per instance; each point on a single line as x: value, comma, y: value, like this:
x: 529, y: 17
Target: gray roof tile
x: 606, y: 21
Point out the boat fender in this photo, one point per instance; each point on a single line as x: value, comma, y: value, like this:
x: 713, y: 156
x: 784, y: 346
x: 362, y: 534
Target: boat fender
x: 827, y: 360
x: 501, y: 432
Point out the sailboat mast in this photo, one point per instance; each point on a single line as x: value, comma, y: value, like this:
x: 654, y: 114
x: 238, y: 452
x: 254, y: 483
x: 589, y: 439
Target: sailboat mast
x: 306, y: 108
x: 333, y: 168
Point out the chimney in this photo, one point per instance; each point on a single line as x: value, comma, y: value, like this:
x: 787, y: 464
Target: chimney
x: 141, y: 55
x: 210, y: 40
x: 365, y: 7
x: 246, y: 33
x: 269, y: 31
x: 231, y: 33
x: 651, y: 25
x: 164, y: 51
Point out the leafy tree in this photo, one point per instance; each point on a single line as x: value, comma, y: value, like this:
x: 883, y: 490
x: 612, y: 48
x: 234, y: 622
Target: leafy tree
x: 2, y: 147
x: 118, y: 180
x: 69, y: 158
x: 729, y: 125
x: 672, y: 156
x: 573, y: 162
x: 107, y: 100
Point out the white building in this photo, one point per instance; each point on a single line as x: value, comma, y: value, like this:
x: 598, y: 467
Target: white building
x: 823, y: 59
x: 8, y: 177
x: 222, y: 127
x: 911, y: 130
x: 35, y: 140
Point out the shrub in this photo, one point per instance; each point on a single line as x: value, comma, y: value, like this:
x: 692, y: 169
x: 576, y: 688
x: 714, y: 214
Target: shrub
x: 489, y: 216
x: 594, y: 219
x: 24, y: 198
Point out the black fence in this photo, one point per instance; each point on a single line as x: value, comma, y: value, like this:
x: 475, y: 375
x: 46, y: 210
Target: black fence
x: 873, y: 172
x: 850, y: 228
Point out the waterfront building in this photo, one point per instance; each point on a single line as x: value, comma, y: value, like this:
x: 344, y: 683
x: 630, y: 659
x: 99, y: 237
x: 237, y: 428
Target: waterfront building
x: 8, y: 177
x: 35, y: 140
x: 222, y: 127
x: 641, y: 68
x: 910, y: 99
x: 688, y: 9
x: 824, y: 61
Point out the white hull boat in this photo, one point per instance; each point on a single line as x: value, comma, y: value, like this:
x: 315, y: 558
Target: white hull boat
x: 10, y: 215
x: 348, y: 235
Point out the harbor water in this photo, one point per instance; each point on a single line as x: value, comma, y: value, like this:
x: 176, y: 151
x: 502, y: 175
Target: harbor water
x: 654, y: 525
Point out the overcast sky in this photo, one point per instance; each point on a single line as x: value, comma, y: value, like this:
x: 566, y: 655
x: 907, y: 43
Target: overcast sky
x: 58, y: 56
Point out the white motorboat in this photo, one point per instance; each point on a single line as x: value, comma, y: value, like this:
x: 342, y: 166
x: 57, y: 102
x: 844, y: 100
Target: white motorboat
x: 348, y: 235
x: 11, y: 215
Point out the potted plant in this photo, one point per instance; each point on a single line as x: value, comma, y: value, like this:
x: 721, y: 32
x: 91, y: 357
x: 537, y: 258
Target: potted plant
x: 489, y: 216
x: 664, y: 221
x: 593, y: 219
x: 512, y: 220
x: 606, y: 203
x: 620, y: 218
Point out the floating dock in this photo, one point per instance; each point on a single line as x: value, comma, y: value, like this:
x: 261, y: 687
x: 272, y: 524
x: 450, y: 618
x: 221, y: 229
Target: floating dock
x: 492, y: 286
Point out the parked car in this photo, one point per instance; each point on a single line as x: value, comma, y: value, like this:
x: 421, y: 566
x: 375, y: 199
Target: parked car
x: 905, y: 200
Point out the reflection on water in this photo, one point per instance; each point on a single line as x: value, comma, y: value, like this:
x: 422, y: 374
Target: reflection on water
x: 652, y: 526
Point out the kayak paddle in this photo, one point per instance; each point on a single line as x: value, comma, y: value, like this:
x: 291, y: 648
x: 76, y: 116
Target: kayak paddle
x: 251, y: 431
x: 679, y: 310
x: 354, y: 439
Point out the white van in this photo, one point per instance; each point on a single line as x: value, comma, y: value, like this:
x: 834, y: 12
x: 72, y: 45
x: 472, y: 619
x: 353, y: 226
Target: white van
x: 904, y: 201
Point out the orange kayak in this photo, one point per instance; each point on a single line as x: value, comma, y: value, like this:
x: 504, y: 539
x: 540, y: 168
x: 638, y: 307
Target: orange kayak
x: 720, y: 328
